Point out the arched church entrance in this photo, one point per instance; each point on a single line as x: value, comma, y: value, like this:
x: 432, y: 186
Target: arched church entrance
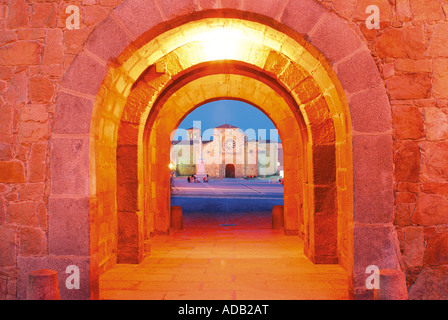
x: 230, y: 171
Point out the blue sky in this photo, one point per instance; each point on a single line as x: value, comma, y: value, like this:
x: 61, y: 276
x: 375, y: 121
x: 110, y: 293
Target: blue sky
x: 236, y: 113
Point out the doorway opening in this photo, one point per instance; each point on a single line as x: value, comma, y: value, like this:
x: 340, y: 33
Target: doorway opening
x: 290, y: 85
x: 226, y: 159
x: 230, y: 171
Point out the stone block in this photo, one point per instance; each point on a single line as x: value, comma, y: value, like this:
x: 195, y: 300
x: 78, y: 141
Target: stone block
x: 70, y: 166
x: 324, y: 164
x: 352, y: 79
x: 306, y: 91
x: 373, y: 179
x: 390, y: 44
x: 407, y: 161
x: 434, y: 166
x: 415, y: 42
x: 17, y: 93
x: 402, y: 215
x: 43, y: 15
x: 370, y: 111
x: 269, y: 8
x: 8, y: 246
x: 43, y: 284
x: 408, y: 122
x: 138, y: 16
x: 430, y: 210
x: 325, y: 238
x: 17, y: 14
x: 74, y: 40
x: 302, y: 16
x: 12, y: 172
x: 85, y: 75
x: 34, y: 112
x: 69, y: 226
x: 37, y: 168
x: 33, y: 241
x: 437, y: 250
x: 23, y: 213
x: 431, y: 284
x: 410, y: 86
x: 54, y: 50
x: 374, y: 245
x: 20, y: 53
x: 175, y: 8
x: 427, y: 10
x: 232, y: 4
x: 413, y: 66
x: 127, y: 196
x: 392, y: 285
x: 439, y: 46
x: 31, y: 191
x: 72, y: 115
x: 435, y: 188
x: 436, y: 124
x: 404, y: 12
x: 334, y: 38
x: 31, y: 131
x: 440, y: 87
x: 130, y: 237
x: 108, y: 40
x: 414, y: 247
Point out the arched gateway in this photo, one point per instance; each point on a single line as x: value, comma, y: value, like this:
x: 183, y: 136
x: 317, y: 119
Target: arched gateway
x: 152, y: 62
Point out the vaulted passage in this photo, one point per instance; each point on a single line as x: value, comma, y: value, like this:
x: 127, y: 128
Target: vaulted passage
x: 171, y: 68
x: 87, y: 112
x: 212, y: 59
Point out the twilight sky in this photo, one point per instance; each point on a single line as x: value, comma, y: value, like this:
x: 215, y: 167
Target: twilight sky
x: 236, y: 113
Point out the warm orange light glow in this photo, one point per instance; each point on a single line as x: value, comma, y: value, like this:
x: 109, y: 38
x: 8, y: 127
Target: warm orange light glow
x: 221, y: 43
x: 129, y: 102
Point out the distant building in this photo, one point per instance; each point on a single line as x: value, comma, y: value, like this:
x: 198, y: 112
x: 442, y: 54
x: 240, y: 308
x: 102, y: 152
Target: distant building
x: 229, y: 154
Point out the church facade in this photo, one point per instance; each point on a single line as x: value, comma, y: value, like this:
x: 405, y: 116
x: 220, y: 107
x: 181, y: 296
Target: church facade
x: 229, y: 153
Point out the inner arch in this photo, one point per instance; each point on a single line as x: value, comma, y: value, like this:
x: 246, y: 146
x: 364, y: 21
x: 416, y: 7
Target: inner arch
x: 139, y: 91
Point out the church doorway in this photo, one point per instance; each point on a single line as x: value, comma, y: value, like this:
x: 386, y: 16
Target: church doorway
x: 230, y: 171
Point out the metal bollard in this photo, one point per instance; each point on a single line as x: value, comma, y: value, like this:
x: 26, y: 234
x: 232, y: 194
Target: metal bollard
x: 43, y: 285
x: 177, y: 222
x: 277, y: 217
x: 392, y: 285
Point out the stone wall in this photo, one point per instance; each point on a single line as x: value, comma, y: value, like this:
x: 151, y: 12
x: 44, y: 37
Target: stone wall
x: 35, y: 50
x: 411, y: 52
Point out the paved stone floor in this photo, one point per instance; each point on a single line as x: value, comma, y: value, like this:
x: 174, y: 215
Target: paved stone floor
x: 210, y: 260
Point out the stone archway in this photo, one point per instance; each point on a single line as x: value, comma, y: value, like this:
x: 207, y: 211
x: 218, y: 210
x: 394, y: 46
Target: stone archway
x: 230, y: 171
x: 109, y: 67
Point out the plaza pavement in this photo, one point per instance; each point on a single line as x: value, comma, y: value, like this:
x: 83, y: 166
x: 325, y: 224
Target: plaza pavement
x: 225, y: 252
